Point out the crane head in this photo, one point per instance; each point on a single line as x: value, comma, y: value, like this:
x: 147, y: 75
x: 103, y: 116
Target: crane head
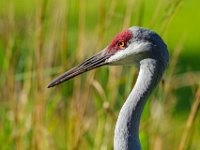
x: 127, y: 48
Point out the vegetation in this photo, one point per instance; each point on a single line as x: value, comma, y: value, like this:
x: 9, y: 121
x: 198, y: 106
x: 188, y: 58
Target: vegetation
x: 41, y: 39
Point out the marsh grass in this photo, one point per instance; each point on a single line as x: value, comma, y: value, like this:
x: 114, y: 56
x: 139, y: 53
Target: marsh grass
x: 39, y: 40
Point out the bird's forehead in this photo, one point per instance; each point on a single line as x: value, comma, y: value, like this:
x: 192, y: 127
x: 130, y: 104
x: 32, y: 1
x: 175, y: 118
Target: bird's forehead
x: 122, y: 36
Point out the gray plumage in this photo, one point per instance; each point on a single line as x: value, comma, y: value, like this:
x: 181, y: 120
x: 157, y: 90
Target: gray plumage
x: 152, y: 60
x: 143, y: 48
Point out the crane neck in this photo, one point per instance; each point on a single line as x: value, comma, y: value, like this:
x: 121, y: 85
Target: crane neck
x: 127, y: 127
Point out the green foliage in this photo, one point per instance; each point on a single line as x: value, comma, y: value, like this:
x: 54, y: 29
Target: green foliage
x: 41, y: 39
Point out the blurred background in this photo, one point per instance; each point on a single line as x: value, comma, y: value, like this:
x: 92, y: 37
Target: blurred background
x: 40, y: 39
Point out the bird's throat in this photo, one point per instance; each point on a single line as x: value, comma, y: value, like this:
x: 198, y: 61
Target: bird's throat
x: 127, y: 127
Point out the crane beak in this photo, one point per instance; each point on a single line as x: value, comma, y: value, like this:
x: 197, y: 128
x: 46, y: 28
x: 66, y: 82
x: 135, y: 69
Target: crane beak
x: 93, y: 62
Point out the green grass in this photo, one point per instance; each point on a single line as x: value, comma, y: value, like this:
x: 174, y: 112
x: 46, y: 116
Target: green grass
x: 41, y: 39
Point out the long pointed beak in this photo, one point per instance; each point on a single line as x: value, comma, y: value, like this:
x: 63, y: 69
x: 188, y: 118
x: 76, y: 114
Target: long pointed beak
x: 93, y: 62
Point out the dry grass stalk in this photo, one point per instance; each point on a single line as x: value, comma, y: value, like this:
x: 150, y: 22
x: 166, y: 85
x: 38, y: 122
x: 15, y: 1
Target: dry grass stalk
x: 190, y: 120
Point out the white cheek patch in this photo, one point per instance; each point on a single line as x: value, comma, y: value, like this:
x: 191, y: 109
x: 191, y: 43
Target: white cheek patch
x: 128, y: 55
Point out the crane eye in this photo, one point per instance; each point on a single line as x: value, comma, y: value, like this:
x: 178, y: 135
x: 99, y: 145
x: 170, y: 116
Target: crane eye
x: 121, y: 44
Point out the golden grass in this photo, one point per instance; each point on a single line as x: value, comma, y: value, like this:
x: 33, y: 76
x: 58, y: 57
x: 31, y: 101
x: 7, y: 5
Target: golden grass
x: 42, y: 39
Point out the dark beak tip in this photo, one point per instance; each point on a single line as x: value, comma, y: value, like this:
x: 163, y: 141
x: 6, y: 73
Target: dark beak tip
x: 50, y: 85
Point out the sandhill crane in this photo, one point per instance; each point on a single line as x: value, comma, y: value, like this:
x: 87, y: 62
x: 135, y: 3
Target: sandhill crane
x: 139, y: 46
